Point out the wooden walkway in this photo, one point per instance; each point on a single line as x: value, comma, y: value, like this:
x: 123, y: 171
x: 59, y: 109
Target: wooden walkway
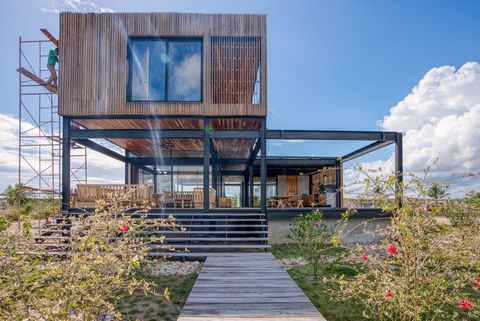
x: 246, y: 287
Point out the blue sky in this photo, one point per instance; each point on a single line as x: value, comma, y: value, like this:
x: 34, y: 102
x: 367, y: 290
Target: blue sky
x: 331, y: 64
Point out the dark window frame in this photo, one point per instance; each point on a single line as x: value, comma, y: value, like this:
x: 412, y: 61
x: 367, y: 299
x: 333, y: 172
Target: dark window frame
x: 167, y: 40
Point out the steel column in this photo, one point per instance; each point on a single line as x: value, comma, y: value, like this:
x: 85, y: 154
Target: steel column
x: 245, y: 190
x: 66, y: 163
x: 155, y: 178
x: 250, y: 185
x: 215, y: 181
x: 206, y: 166
x: 339, y: 184
x: 127, y: 169
x: 263, y: 166
x: 399, y: 167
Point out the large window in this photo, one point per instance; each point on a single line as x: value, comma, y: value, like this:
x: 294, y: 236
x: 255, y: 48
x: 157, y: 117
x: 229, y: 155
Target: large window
x: 164, y: 69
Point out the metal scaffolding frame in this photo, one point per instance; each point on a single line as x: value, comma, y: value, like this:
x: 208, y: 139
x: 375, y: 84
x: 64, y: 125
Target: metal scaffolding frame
x: 40, y: 127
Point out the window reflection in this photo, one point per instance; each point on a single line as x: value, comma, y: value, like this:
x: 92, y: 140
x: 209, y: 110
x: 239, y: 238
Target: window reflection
x: 184, y: 76
x: 162, y: 69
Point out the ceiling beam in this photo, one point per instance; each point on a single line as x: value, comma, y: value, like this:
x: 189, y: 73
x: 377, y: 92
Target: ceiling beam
x: 365, y: 150
x: 330, y: 135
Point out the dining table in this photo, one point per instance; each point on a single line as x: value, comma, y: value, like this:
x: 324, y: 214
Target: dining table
x: 284, y: 201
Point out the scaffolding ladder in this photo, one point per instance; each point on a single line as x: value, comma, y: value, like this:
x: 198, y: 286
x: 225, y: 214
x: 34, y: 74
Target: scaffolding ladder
x: 40, y: 126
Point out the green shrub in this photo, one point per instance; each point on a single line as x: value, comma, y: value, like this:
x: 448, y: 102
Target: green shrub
x: 101, y: 261
x: 427, y: 269
x: 313, y: 237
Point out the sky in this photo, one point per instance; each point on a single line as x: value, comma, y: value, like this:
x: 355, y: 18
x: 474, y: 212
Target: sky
x: 409, y: 66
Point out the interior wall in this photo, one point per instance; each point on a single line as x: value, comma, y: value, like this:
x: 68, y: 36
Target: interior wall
x: 302, y: 184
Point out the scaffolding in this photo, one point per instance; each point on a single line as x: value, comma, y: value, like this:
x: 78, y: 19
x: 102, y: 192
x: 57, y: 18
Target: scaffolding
x: 40, y: 126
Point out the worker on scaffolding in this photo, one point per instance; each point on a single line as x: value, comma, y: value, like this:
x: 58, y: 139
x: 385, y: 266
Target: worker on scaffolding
x: 52, y: 61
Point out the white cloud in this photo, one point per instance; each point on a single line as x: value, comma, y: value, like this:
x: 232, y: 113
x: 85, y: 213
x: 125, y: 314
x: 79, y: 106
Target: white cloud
x: 187, y: 76
x: 101, y: 169
x: 57, y: 6
x: 440, y: 119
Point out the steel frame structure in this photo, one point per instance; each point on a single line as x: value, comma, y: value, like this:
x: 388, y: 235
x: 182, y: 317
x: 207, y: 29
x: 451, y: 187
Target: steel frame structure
x: 40, y: 128
x: 379, y: 140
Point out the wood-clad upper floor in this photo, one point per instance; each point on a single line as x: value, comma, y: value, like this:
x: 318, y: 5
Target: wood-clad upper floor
x: 114, y: 64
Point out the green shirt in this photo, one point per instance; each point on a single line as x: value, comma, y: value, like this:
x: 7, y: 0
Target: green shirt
x: 52, y: 57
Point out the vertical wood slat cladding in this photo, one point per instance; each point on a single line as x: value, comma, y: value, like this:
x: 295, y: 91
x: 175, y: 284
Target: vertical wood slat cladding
x: 94, y: 67
x: 234, y: 63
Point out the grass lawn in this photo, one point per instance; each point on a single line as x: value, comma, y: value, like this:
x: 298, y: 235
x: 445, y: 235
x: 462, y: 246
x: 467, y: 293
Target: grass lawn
x: 151, y: 308
x: 317, y: 290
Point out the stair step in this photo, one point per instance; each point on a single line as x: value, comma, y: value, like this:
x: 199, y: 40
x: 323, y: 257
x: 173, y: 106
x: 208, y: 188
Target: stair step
x: 220, y: 219
x: 191, y: 254
x: 221, y: 225
x: 194, y: 225
x: 212, y: 246
x: 205, y: 214
x: 184, y: 239
x: 186, y: 232
x: 217, y: 239
x: 181, y: 246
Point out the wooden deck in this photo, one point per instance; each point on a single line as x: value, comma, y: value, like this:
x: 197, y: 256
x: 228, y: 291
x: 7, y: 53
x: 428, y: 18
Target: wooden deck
x: 246, y: 287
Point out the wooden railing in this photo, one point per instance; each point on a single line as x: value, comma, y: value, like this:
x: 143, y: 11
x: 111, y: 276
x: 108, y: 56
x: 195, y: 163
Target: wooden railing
x: 88, y: 194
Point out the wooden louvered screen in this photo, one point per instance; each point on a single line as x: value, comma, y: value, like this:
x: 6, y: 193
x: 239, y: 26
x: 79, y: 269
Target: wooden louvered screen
x: 236, y: 70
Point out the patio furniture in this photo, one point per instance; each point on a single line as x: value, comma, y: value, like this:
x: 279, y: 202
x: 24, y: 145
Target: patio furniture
x: 183, y: 199
x: 284, y: 201
x: 175, y: 199
x: 132, y: 195
x: 224, y: 202
x: 198, y: 197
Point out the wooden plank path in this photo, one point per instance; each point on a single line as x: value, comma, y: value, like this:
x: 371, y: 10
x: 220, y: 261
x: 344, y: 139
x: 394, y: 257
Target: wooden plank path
x: 246, y: 287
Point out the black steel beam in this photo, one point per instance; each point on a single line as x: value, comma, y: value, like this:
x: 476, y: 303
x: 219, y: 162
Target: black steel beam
x: 206, y: 166
x: 300, y: 161
x: 226, y: 134
x: 213, y: 152
x: 110, y: 153
x: 263, y: 166
x: 338, y: 185
x: 399, y: 167
x: 330, y: 135
x: 101, y: 149
x: 127, y: 169
x: 232, y: 173
x: 250, y: 185
x: 168, y: 161
x: 365, y: 150
x: 254, y: 152
x: 66, y: 163
x: 215, y: 181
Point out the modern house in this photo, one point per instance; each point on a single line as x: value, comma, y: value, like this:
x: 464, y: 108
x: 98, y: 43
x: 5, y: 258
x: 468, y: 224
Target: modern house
x: 185, y: 97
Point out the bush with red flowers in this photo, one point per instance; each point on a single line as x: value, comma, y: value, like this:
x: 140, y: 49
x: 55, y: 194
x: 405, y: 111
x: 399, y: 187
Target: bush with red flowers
x: 428, y: 267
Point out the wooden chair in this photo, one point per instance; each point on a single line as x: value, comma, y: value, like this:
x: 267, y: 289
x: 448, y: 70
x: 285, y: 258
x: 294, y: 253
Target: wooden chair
x: 198, y: 197
x: 224, y: 202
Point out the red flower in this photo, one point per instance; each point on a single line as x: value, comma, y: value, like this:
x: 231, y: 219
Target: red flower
x: 124, y: 228
x: 364, y: 256
x: 465, y: 304
x: 388, y: 293
x: 392, y: 249
x: 476, y: 283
